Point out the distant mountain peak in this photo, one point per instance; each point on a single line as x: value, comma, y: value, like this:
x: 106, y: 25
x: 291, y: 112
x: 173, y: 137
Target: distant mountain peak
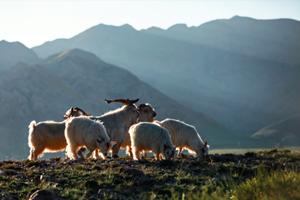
x: 14, y: 52
x: 241, y: 19
x: 127, y: 26
x: 178, y: 27
x: 153, y: 28
x: 71, y: 53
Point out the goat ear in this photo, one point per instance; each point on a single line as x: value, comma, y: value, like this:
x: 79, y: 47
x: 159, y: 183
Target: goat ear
x: 110, y: 144
x: 113, y: 143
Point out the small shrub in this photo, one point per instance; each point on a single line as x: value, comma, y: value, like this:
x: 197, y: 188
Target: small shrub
x: 286, y: 151
x: 30, y: 163
x: 11, y: 166
x: 10, y: 171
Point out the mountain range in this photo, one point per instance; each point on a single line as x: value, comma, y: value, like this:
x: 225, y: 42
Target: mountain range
x: 47, y: 88
x: 241, y: 72
x: 231, y: 79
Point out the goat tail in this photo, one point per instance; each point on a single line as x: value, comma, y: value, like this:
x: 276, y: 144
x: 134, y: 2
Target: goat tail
x: 31, y: 127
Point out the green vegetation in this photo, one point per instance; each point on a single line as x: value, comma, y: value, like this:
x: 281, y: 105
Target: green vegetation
x: 271, y: 174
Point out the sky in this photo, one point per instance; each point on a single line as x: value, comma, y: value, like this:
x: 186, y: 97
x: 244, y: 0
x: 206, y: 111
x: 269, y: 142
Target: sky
x: 35, y: 22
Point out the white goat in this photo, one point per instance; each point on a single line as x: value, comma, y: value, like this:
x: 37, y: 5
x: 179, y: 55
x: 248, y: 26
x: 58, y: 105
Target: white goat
x: 118, y: 122
x: 48, y: 136
x: 151, y: 137
x: 82, y: 131
x: 147, y: 114
x: 185, y: 136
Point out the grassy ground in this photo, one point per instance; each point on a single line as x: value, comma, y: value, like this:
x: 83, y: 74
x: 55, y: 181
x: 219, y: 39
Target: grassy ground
x: 243, y: 151
x: 271, y: 174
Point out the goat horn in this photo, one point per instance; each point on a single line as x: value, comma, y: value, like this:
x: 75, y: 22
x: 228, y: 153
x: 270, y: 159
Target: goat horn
x: 132, y: 101
x: 205, y: 143
x: 78, y: 109
x: 123, y: 101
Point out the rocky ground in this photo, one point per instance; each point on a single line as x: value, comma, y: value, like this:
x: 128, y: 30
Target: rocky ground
x: 123, y: 178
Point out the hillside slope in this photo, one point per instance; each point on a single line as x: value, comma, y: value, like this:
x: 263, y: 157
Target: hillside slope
x: 229, y: 78
x: 47, y: 89
x: 284, y: 132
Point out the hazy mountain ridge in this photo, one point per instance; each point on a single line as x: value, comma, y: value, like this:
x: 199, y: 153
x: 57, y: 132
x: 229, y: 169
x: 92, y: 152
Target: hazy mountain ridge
x: 46, y: 90
x: 227, y: 77
x: 276, y: 40
x: 285, y: 131
x: 13, y: 52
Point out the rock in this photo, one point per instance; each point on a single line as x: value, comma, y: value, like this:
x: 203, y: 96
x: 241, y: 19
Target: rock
x: 6, y: 196
x: 44, y: 195
x: 44, y: 177
x: 142, y: 179
x: 109, y: 192
x: 134, y: 172
x: 2, y: 173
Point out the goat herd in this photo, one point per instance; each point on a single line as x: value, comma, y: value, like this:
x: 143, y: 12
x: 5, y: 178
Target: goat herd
x: 132, y: 127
